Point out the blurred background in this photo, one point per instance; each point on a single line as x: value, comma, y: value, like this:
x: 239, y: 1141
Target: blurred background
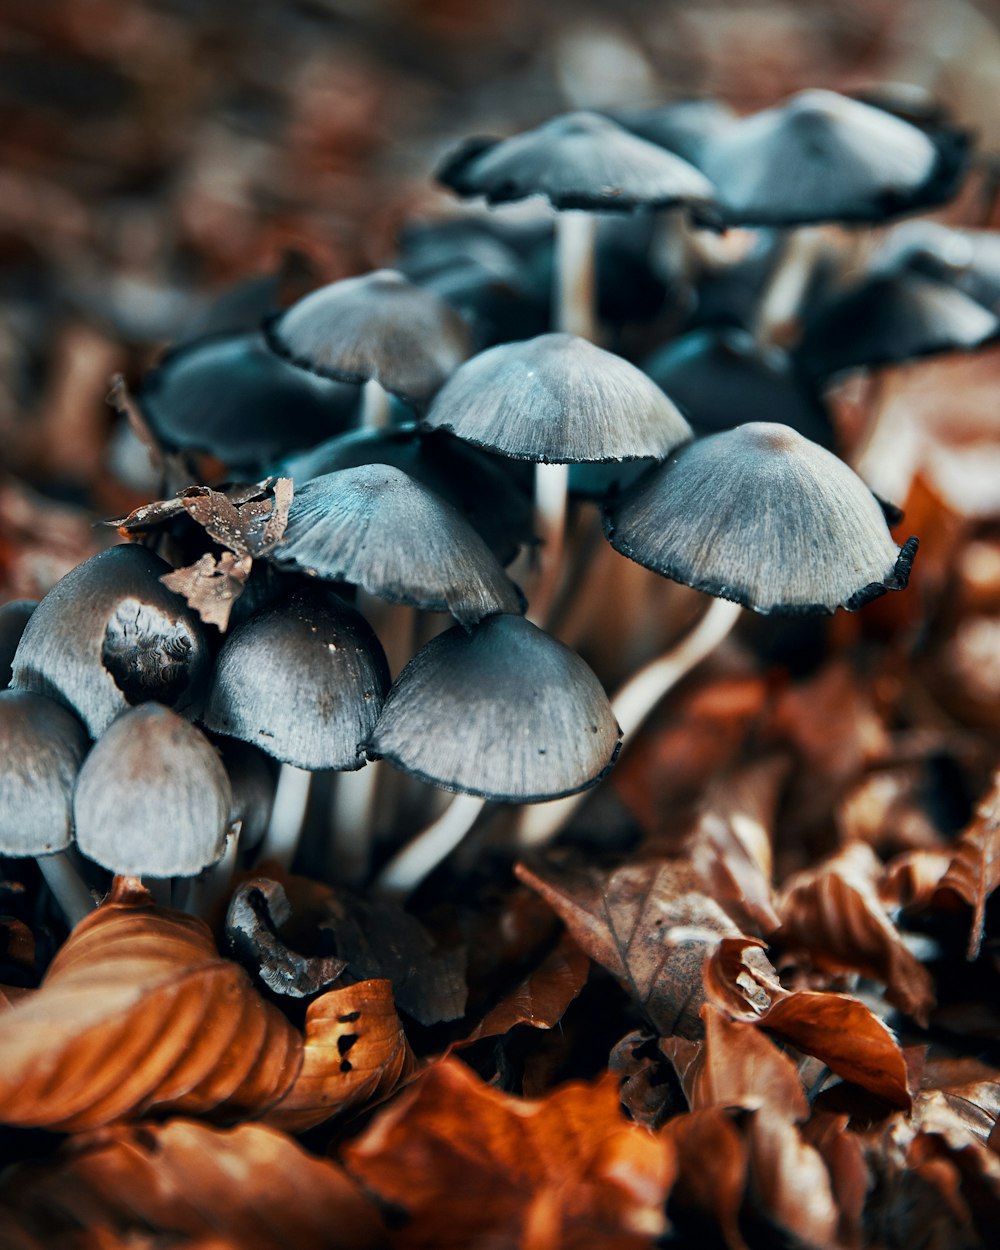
x: 155, y: 152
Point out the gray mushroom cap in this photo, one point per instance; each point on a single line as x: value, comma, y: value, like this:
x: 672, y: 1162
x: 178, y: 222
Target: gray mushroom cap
x: 505, y: 712
x: 304, y: 680
x: 41, y: 749
x: 377, y: 528
x: 559, y: 399
x: 109, y: 635
x: 577, y: 160
x: 152, y: 798
x: 763, y: 517
x: 820, y: 157
x: 376, y: 327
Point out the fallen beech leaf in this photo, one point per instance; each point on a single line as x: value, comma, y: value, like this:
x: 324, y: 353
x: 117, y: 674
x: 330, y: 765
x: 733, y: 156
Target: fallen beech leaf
x: 850, y: 1178
x: 970, y: 1088
x: 541, y: 999
x: 355, y: 1052
x: 473, y: 1166
x: 646, y: 1090
x: 790, y: 1181
x: 211, y: 586
x: 912, y: 878
x: 835, y: 913
x: 650, y: 924
x: 258, y: 908
x: 712, y: 1160
x: 252, y: 527
x: 251, y: 1187
x: 137, y: 1011
x: 974, y: 872
x: 736, y: 1066
x: 839, y: 1030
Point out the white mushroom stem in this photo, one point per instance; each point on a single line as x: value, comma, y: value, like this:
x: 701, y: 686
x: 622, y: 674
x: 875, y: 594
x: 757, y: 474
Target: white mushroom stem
x: 67, y: 886
x: 784, y: 291
x: 574, y: 287
x: 633, y: 703
x: 418, y: 859
x: 551, y: 495
x: 291, y: 797
x: 216, y: 882
x: 353, y: 819
x: 374, y: 406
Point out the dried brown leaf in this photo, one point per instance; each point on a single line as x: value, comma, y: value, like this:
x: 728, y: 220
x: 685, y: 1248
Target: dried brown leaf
x: 712, y: 1159
x: 911, y: 879
x: 970, y: 1088
x: 790, y: 1182
x: 834, y: 912
x: 355, y: 1053
x: 974, y: 872
x: 540, y: 1000
x: 473, y: 1166
x: 650, y: 924
x: 251, y: 527
x: 850, y: 1178
x: 211, y: 586
x: 251, y: 1187
x: 138, y: 1011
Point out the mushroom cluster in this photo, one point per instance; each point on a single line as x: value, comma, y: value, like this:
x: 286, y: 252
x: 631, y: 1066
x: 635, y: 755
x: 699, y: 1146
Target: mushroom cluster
x: 374, y: 458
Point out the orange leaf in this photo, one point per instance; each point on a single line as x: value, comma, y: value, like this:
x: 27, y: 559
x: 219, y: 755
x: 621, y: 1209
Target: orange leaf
x: 139, y: 1011
x: 355, y: 1052
x: 835, y: 913
x: 790, y: 1181
x: 473, y: 1166
x: 712, y: 1169
x: 974, y: 872
x: 251, y: 1187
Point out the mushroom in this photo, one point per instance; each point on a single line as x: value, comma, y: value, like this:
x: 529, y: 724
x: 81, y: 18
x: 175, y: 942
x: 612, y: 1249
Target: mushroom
x: 379, y: 330
x: 503, y: 712
x: 584, y: 164
x: 152, y: 798
x: 109, y: 635
x: 14, y: 616
x: 378, y: 529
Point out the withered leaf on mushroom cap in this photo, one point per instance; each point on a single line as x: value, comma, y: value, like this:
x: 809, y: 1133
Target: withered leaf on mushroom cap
x: 41, y: 749
x: 377, y: 528
x: 577, y: 160
x: 377, y: 327
x: 110, y: 635
x: 558, y: 398
x: 304, y: 680
x: 764, y: 517
x: 153, y: 798
x: 504, y: 711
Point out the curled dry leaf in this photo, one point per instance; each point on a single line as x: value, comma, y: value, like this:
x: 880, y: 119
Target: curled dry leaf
x: 835, y: 913
x: 712, y: 1159
x: 650, y: 924
x: 974, y: 872
x: 251, y: 1187
x: 541, y: 999
x: 139, y: 1011
x: 850, y: 1179
x: 912, y: 878
x: 789, y: 1180
x: 355, y: 1053
x: 838, y: 1029
x: 473, y: 1166
x: 970, y: 1088
x: 211, y: 586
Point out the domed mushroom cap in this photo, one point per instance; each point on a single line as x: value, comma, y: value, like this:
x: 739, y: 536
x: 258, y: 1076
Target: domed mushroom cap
x: 891, y: 318
x: 577, y: 160
x: 304, y: 680
x: 476, y: 485
x: 14, y: 616
x: 234, y: 398
x: 109, y: 635
x: 376, y: 528
x: 558, y: 398
x: 41, y: 749
x: 821, y: 156
x: 966, y: 259
x: 682, y: 126
x: 378, y: 326
x: 152, y: 798
x: 505, y: 712
x: 721, y: 378
x: 761, y: 516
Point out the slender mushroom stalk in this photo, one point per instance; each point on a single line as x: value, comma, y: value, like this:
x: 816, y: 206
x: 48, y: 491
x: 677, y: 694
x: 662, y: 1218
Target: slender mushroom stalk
x: 418, y: 859
x: 551, y: 500
x: 574, y: 284
x: 67, y: 886
x: 288, y: 814
x: 375, y: 406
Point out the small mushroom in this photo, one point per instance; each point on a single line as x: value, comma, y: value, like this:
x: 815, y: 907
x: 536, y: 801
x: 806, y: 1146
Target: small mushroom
x: 110, y: 635
x: 378, y: 529
x: 41, y: 749
x: 763, y: 517
x: 152, y: 798
x: 504, y: 712
x: 304, y: 680
x: 379, y: 328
